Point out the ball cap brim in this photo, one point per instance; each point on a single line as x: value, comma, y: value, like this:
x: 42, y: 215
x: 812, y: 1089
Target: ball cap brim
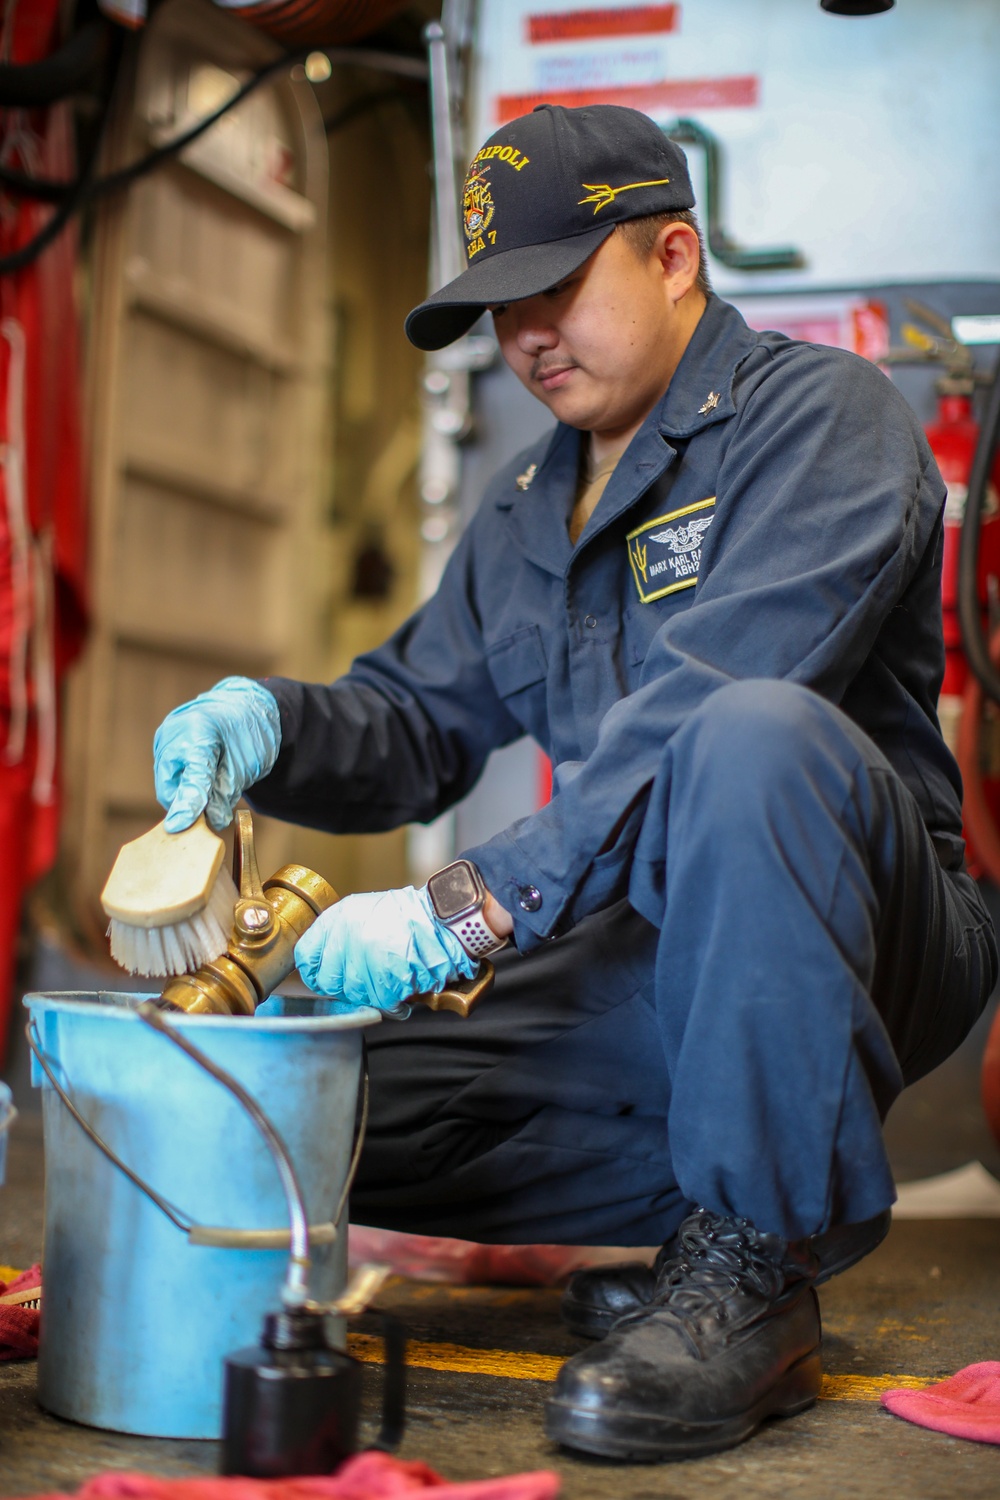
x: 505, y: 277
x: 543, y: 193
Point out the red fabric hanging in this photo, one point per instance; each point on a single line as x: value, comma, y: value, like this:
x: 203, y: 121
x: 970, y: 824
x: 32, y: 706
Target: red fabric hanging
x: 303, y: 23
x: 42, y: 515
x: 296, y: 23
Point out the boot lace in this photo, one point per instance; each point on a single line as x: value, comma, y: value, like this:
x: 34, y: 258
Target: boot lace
x: 713, y: 1258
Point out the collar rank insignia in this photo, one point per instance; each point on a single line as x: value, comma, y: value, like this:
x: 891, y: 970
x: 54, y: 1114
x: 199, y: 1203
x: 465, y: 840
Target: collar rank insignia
x: 523, y: 481
x: 710, y: 404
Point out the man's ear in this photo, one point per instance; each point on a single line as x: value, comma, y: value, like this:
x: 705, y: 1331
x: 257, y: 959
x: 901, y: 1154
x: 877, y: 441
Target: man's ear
x: 678, y: 252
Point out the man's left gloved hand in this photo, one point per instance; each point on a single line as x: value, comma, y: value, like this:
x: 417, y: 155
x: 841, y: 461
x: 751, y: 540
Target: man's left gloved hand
x: 380, y: 949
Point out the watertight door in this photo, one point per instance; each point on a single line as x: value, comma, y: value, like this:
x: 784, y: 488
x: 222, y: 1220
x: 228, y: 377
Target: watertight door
x: 206, y: 403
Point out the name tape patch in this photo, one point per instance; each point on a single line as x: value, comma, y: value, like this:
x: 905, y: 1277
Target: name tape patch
x: 665, y: 553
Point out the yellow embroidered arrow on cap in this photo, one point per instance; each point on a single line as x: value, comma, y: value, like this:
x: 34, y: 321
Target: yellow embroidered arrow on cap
x: 600, y: 194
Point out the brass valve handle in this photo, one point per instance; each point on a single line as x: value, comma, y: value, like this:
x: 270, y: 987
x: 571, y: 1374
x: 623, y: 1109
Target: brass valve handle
x: 254, y: 915
x: 268, y: 921
x: 461, y: 997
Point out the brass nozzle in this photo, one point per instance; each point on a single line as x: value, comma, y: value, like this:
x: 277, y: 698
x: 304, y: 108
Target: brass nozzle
x: 268, y: 921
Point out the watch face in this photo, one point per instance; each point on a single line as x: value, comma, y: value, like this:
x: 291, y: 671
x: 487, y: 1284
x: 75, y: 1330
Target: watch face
x: 453, y: 890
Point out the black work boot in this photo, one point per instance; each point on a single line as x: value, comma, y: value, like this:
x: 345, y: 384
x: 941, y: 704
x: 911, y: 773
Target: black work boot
x: 597, y: 1297
x: 730, y: 1336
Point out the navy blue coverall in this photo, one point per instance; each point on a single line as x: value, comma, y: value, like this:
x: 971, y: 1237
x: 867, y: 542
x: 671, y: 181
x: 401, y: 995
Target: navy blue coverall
x: 743, y: 921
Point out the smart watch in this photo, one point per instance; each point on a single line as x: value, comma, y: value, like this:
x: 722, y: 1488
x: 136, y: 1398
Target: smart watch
x: 458, y: 896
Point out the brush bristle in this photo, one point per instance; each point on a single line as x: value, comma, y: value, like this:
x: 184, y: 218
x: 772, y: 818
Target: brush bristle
x: 183, y: 947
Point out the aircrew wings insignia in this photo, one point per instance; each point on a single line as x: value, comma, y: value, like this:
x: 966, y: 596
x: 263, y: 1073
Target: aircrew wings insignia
x: 684, y: 538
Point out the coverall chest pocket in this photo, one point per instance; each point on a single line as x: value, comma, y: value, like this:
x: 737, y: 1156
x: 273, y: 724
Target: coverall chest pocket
x: 518, y: 667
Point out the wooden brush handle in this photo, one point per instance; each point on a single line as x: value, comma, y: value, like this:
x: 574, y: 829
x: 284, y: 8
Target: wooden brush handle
x: 18, y: 1299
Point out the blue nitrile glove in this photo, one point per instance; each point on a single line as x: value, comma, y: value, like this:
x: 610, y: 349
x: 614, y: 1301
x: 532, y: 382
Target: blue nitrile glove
x: 207, y: 752
x: 380, y: 948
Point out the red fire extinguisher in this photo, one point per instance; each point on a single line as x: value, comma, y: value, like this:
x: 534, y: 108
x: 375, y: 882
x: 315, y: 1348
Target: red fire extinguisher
x: 969, y: 708
x: 970, y: 724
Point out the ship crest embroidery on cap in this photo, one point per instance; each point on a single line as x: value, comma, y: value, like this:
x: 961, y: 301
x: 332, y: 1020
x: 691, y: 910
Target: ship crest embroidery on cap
x: 478, y: 209
x: 478, y: 206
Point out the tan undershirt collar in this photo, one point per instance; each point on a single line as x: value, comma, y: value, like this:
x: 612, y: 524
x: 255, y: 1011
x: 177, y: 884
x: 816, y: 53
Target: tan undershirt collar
x: 593, y: 482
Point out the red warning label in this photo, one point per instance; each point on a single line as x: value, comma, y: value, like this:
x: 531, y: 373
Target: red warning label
x: 581, y: 25
x: 673, y: 93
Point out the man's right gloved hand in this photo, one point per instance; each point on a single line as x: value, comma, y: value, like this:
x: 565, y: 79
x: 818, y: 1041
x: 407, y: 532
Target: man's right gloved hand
x: 207, y: 752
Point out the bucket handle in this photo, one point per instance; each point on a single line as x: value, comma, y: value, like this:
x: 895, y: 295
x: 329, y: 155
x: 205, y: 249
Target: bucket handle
x: 216, y: 1236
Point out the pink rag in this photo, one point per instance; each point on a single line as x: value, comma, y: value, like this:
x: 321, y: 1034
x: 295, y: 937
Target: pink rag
x: 19, y: 1325
x: 366, y: 1476
x: 427, y: 1257
x: 967, y: 1405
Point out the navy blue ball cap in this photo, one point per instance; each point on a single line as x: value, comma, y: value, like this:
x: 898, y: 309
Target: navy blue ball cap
x: 540, y: 197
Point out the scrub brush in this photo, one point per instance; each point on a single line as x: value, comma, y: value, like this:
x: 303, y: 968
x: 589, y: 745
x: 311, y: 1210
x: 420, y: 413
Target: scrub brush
x: 170, y: 900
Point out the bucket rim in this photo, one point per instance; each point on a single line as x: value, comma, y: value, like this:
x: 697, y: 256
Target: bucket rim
x: 70, y: 1002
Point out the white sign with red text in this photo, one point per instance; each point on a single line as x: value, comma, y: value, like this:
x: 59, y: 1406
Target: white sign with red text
x: 867, y: 143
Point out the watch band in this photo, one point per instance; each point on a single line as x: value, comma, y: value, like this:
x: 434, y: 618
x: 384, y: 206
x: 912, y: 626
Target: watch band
x: 475, y: 935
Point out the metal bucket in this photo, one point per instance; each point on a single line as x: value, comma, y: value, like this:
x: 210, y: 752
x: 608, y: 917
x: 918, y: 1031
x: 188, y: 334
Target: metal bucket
x: 8, y: 1114
x: 143, y: 1299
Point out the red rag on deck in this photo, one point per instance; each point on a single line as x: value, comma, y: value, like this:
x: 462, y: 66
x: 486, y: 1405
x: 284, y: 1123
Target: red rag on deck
x: 19, y: 1325
x: 366, y: 1476
x: 967, y: 1405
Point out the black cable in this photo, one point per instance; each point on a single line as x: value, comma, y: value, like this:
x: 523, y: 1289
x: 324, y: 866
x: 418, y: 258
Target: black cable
x: 42, y: 189
x: 75, y: 192
x: 974, y: 637
x: 85, y: 189
x: 73, y: 196
x: 65, y: 72
x: 52, y: 190
x: 125, y: 176
x: 18, y: 259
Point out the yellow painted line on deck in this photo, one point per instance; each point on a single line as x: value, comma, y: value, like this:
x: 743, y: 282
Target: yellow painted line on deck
x: 867, y: 1387
x: 457, y: 1359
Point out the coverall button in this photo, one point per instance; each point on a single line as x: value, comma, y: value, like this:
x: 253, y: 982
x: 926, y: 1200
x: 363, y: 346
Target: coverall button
x: 529, y: 897
x: 590, y: 621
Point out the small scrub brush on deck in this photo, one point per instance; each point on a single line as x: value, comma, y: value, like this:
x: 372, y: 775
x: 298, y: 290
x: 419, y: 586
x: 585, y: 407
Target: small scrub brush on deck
x: 171, y: 900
